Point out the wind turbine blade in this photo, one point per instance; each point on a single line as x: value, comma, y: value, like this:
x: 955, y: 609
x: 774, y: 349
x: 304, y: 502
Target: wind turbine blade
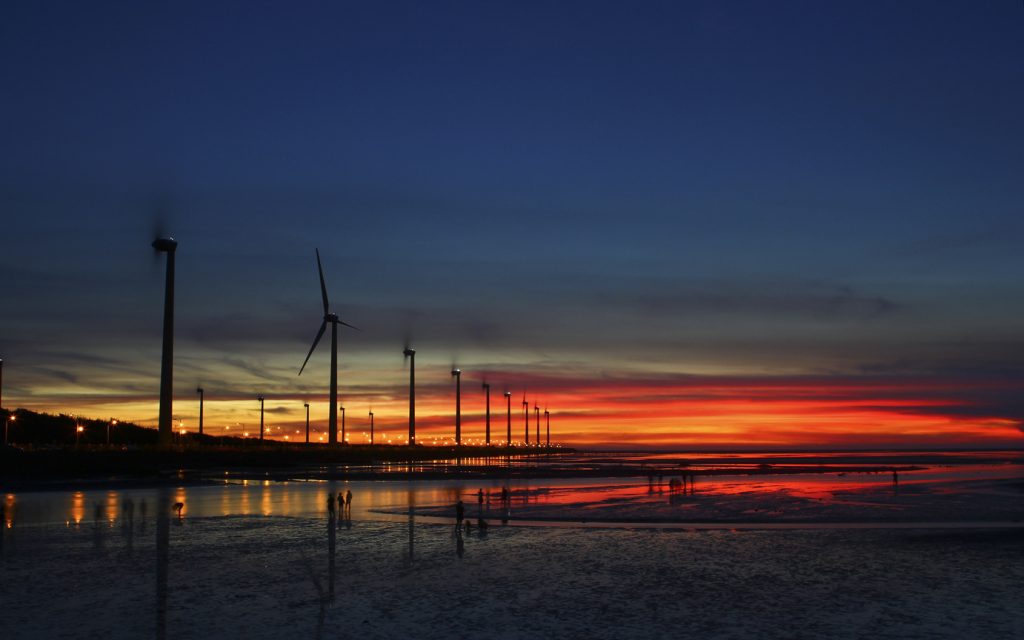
x: 323, y: 287
x: 349, y: 325
x: 319, y: 334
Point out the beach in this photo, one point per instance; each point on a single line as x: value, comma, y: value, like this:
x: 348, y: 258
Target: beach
x: 583, y: 557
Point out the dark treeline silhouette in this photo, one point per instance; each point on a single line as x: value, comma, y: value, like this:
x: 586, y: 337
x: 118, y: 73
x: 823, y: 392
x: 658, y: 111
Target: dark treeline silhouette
x: 49, y: 447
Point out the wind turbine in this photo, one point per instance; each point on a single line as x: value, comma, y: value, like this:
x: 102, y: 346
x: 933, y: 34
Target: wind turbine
x: 508, y: 434
x: 536, y: 411
x: 457, y: 374
x: 411, y: 354
x: 165, y: 432
x: 487, y: 392
x: 332, y: 413
x: 526, y: 416
x: 199, y: 390
x: 260, y: 398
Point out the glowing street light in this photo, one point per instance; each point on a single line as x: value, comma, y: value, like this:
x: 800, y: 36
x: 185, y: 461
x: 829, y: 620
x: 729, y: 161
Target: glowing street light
x: 78, y: 433
x: 10, y: 418
x: 307, y: 421
x: 371, y: 427
x: 112, y: 423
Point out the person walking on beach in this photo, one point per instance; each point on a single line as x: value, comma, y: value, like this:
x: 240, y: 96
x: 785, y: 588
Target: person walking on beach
x: 460, y: 512
x: 348, y: 501
x: 341, y: 502
x: 330, y: 504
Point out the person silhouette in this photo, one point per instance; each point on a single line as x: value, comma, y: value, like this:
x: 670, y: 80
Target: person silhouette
x: 330, y: 504
x: 460, y: 512
x: 348, y: 501
x: 341, y: 502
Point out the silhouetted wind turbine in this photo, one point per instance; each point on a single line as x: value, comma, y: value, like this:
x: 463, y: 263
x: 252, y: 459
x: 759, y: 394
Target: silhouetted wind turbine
x: 165, y: 432
x: 199, y: 390
x: 260, y: 398
x: 332, y: 419
x: 458, y: 406
x: 526, y: 417
x: 536, y: 411
x: 411, y: 354
x: 508, y: 426
x: 487, y: 392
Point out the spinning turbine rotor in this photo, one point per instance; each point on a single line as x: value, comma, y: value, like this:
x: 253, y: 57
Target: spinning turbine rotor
x: 334, y: 321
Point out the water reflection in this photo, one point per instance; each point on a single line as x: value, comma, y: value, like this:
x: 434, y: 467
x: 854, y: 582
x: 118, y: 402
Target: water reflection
x: 163, y: 543
x: 77, y: 507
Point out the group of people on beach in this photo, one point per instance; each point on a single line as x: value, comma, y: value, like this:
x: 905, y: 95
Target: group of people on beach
x: 344, y: 504
x: 682, y: 484
x: 461, y: 521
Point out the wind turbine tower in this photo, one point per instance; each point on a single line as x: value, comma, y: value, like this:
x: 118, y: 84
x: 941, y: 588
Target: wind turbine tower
x: 536, y: 412
x: 526, y: 419
x: 332, y: 414
x: 165, y: 433
x: 458, y: 406
x: 411, y: 354
x: 260, y: 398
x: 487, y: 392
x: 508, y: 426
x: 199, y: 390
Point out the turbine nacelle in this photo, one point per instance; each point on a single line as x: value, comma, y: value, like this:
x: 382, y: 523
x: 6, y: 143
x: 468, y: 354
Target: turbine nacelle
x: 456, y: 373
x: 165, y: 244
x: 408, y: 353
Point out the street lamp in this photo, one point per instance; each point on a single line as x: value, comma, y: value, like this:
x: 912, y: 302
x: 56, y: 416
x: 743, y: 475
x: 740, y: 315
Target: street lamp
x: 112, y: 423
x: 371, y: 427
x: 307, y: 421
x: 10, y: 418
x: 343, y: 441
x: 78, y: 433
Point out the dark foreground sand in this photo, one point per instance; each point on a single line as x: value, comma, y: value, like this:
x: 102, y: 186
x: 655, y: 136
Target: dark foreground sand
x: 269, y: 577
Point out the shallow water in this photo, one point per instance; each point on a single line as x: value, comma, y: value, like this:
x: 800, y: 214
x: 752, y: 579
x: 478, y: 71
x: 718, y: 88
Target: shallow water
x: 264, y: 560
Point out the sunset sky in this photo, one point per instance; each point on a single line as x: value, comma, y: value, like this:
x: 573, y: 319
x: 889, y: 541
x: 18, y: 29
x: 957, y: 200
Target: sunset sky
x: 674, y: 224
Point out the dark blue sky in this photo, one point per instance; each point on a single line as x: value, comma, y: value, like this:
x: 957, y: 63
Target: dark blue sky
x: 699, y: 187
